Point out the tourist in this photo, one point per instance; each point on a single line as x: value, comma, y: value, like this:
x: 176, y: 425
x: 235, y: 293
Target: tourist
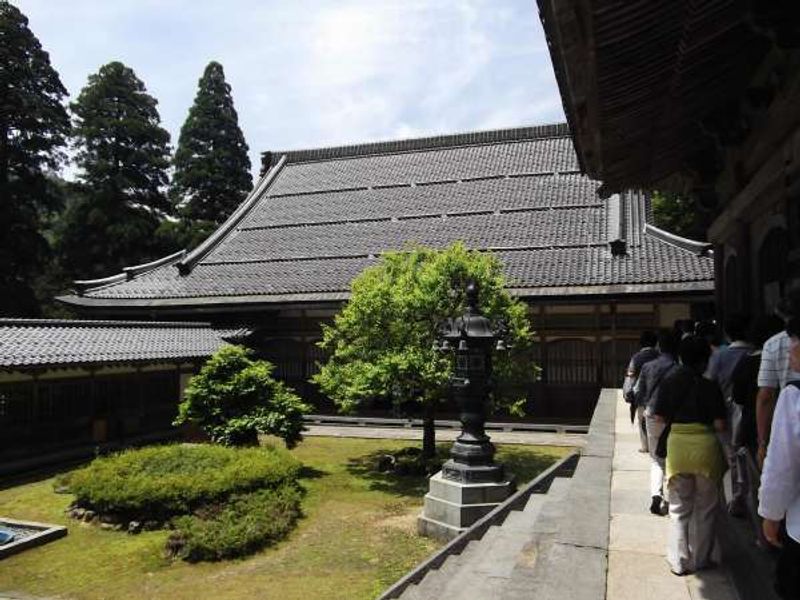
x: 780, y: 480
x: 647, y: 352
x: 721, y: 367
x: 645, y: 392
x: 743, y: 393
x: 775, y: 371
x: 693, y: 408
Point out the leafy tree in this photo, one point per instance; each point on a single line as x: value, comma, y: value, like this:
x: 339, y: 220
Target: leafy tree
x: 681, y: 215
x: 381, y: 343
x: 123, y: 154
x: 212, y: 169
x: 234, y: 398
x: 33, y: 128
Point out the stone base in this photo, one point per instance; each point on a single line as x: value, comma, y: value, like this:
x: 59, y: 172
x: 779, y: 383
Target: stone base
x: 451, y: 506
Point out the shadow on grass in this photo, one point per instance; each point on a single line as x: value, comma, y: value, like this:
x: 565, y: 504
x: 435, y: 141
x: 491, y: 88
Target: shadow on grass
x: 405, y: 485
x: 307, y: 472
x: 523, y: 462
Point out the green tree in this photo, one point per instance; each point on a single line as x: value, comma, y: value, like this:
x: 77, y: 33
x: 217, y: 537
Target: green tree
x: 381, y: 345
x: 234, y: 398
x: 33, y: 129
x: 212, y: 169
x: 681, y: 215
x: 123, y: 156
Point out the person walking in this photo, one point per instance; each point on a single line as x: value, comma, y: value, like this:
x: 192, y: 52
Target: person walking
x: 779, y: 496
x: 721, y: 368
x: 647, y: 352
x: 693, y: 409
x: 645, y: 394
x: 775, y: 370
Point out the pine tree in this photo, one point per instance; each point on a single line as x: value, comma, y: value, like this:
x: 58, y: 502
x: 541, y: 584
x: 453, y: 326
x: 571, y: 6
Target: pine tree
x: 123, y: 154
x: 212, y: 169
x: 33, y: 128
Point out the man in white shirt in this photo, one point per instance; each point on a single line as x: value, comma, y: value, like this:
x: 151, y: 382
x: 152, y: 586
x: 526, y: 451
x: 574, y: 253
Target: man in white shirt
x: 775, y: 370
x: 779, y: 496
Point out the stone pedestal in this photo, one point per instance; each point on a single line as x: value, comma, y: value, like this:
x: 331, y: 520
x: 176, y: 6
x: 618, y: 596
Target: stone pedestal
x: 452, y: 506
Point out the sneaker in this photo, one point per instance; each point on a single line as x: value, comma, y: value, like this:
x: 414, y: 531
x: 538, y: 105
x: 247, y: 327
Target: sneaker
x: 655, y: 506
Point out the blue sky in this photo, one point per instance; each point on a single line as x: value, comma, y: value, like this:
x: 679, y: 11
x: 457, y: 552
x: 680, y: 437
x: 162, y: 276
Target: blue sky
x: 309, y: 73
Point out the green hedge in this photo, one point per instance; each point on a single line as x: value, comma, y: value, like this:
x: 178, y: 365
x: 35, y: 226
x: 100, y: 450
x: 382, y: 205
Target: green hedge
x: 245, y: 524
x: 159, y: 482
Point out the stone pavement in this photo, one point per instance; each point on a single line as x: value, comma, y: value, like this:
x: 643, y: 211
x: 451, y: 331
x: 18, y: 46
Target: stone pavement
x: 637, y: 565
x: 543, y: 438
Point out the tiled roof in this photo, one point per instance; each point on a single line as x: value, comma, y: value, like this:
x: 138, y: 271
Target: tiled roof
x: 53, y: 342
x: 319, y: 217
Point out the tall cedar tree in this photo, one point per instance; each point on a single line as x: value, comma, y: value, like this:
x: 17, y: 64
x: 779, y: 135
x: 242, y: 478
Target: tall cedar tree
x: 212, y: 169
x: 33, y: 128
x: 123, y: 154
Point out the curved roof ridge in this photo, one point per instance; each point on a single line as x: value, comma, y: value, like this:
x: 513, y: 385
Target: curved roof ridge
x: 693, y: 246
x: 85, y: 285
x: 186, y: 264
x: 490, y: 136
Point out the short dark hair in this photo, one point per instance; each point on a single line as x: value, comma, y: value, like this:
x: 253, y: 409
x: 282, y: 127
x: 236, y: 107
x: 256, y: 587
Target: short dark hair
x: 710, y: 331
x: 648, y: 338
x: 789, y: 304
x: 762, y: 328
x: 736, y: 326
x: 694, y: 351
x: 667, y: 341
x: 793, y: 327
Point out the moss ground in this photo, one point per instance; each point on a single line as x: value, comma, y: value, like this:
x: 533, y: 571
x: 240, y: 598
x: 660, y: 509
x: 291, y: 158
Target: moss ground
x: 356, y: 537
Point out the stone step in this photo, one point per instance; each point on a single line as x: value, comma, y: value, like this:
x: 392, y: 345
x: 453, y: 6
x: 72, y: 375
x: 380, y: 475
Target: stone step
x: 431, y: 586
x: 549, y: 518
x: 482, y: 567
x: 534, y: 503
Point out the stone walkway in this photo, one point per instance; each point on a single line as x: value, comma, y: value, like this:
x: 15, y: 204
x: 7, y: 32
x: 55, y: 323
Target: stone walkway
x: 637, y: 565
x: 540, y: 438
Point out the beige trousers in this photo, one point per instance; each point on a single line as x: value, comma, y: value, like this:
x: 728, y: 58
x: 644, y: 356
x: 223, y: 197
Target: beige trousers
x: 693, y: 503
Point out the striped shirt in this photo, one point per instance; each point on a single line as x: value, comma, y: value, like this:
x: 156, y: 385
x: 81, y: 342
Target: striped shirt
x: 774, y: 371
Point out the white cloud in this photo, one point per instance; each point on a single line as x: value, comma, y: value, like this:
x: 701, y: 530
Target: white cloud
x: 319, y: 72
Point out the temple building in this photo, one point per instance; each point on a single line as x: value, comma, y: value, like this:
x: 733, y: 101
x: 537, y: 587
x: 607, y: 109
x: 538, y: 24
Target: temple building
x: 595, y: 271
x: 71, y: 387
x: 701, y: 99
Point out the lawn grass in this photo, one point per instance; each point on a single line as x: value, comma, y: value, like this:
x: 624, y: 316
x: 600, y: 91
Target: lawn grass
x: 357, y: 536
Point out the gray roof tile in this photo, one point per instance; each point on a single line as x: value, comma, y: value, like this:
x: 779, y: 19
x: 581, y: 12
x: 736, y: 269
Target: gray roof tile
x: 328, y: 212
x: 53, y: 342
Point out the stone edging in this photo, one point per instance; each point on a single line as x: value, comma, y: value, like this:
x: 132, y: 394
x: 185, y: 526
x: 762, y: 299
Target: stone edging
x: 516, y: 501
x: 46, y: 533
x: 585, y: 533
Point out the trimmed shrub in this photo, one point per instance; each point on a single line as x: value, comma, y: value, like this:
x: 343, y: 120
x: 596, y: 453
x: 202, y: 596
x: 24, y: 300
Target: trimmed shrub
x: 234, y: 398
x: 159, y: 482
x: 245, y: 524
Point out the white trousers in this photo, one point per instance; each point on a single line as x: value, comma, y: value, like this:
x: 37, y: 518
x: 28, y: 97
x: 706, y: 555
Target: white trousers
x: 654, y: 430
x: 642, y: 427
x: 692, y: 511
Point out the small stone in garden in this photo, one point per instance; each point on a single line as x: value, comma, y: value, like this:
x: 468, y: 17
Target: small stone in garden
x: 151, y: 525
x: 77, y: 513
x: 89, y: 516
x: 134, y: 527
x: 386, y: 463
x: 106, y: 526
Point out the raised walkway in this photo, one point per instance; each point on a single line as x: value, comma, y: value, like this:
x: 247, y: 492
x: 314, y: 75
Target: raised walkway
x: 637, y: 564
x: 581, y: 531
